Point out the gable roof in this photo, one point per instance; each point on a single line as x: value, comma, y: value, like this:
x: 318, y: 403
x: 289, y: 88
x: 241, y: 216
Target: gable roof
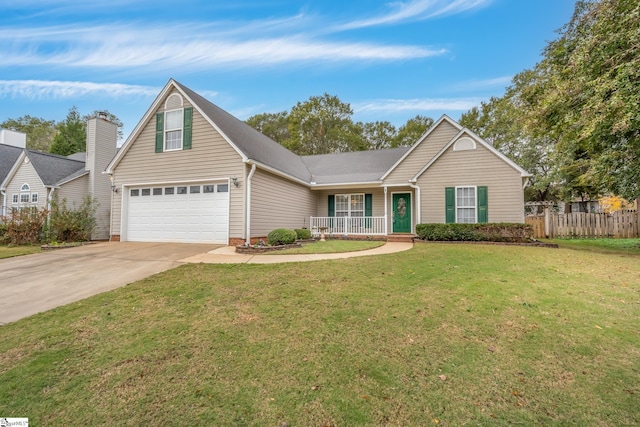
x: 8, y: 156
x: 248, y: 142
x: 352, y: 167
x: 53, y: 169
x: 434, y: 126
x: 478, y: 140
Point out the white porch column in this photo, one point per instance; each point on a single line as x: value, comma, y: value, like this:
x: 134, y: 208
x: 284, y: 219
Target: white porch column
x: 386, y: 216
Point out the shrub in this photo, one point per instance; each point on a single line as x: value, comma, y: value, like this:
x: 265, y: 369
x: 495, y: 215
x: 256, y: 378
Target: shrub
x: 72, y: 225
x: 490, y: 232
x: 23, y: 226
x: 281, y: 236
x: 303, y: 233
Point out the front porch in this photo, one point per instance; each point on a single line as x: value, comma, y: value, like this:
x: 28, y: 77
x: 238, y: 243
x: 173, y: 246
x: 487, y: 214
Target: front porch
x: 369, y: 226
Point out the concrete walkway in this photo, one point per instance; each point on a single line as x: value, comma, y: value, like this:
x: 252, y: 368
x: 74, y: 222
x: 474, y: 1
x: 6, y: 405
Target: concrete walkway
x: 228, y: 255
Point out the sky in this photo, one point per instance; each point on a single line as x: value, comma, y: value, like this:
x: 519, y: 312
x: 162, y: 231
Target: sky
x: 390, y: 60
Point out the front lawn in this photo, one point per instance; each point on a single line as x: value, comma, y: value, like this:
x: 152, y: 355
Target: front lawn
x: 331, y: 246
x: 11, y: 251
x: 442, y: 334
x: 602, y: 245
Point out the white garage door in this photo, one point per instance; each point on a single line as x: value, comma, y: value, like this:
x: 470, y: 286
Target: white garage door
x: 188, y: 213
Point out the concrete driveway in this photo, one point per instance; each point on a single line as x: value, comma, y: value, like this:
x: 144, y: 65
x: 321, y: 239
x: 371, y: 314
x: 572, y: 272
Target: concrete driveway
x: 39, y: 282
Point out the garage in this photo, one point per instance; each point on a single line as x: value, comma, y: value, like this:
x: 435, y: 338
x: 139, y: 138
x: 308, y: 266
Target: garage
x: 182, y: 213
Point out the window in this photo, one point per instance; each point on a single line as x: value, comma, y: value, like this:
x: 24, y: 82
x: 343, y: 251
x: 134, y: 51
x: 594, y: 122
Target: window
x: 146, y: 192
x: 169, y: 191
x: 135, y: 192
x: 15, y: 199
x: 182, y: 190
x: 173, y: 130
x: 466, y: 205
x: 157, y: 191
x: 349, y: 205
x: 24, y: 198
x: 25, y: 187
x: 194, y: 189
x: 34, y: 197
x: 223, y: 188
x: 208, y: 188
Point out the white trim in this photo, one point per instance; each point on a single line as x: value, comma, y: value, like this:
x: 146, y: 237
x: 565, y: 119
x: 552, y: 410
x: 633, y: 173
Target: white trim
x: 479, y: 140
x: 14, y: 170
x: 475, y: 204
x: 166, y: 101
x: 410, y: 193
x: 346, y: 185
x: 165, y: 130
x: 58, y: 185
x: 335, y: 209
x: 422, y: 138
x: 276, y: 172
x: 458, y: 145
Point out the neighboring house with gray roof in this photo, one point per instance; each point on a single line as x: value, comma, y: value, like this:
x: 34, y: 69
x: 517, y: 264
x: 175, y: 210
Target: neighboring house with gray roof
x: 31, y: 178
x: 191, y: 172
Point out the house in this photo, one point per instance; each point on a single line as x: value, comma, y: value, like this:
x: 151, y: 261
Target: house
x: 31, y: 178
x: 191, y: 172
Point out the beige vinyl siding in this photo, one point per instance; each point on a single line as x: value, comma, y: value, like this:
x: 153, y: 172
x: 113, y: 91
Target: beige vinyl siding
x: 101, y: 147
x: 277, y: 202
x: 377, y: 199
x: 422, y: 153
x: 74, y: 192
x: 479, y: 167
x: 210, y: 158
x: 26, y: 174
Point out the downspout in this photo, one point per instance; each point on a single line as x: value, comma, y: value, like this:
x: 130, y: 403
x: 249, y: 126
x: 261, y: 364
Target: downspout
x: 49, y: 198
x: 418, y: 213
x: 4, y: 203
x: 248, y: 231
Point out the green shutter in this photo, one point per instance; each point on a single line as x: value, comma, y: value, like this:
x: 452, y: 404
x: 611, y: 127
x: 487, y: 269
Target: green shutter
x: 450, y: 204
x: 368, y: 209
x: 332, y: 205
x: 159, y: 132
x: 187, y: 126
x: 483, y: 202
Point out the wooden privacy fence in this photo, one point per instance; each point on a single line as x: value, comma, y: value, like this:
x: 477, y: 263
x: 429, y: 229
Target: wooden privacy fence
x: 620, y: 224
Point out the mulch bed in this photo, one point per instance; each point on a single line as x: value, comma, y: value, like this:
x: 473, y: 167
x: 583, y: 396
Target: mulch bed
x: 538, y: 244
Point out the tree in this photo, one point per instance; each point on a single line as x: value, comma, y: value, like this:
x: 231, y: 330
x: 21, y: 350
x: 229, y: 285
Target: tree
x: 410, y: 132
x: 273, y: 125
x: 376, y: 135
x: 72, y: 134
x: 322, y: 125
x: 40, y: 132
x: 585, y: 95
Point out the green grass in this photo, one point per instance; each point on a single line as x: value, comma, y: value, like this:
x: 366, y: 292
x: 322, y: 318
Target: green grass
x: 620, y: 246
x: 331, y: 246
x: 442, y: 334
x: 11, y: 251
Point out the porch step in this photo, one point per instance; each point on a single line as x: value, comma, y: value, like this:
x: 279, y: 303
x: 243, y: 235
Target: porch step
x: 402, y: 238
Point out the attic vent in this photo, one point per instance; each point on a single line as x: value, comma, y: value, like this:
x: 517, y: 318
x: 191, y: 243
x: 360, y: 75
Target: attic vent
x: 173, y: 101
x: 464, y: 143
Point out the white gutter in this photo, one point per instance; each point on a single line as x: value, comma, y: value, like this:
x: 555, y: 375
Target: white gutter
x: 4, y: 203
x: 253, y: 170
x: 415, y: 187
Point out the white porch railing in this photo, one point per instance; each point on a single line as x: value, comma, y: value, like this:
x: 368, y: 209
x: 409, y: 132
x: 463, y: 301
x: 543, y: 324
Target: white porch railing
x: 368, y: 225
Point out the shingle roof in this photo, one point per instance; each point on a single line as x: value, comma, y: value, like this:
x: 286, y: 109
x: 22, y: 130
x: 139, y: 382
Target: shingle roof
x: 250, y: 142
x: 352, y: 167
x: 8, y: 156
x: 54, y: 169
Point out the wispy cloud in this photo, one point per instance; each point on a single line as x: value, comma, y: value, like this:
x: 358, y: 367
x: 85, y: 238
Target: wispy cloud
x: 191, y: 47
x: 416, y: 10
x: 39, y: 89
x: 424, y: 104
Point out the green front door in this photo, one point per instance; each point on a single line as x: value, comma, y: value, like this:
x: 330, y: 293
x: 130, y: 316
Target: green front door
x: 402, y: 213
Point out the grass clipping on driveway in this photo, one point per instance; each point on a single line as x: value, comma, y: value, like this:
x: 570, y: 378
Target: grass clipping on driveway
x: 438, y: 335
